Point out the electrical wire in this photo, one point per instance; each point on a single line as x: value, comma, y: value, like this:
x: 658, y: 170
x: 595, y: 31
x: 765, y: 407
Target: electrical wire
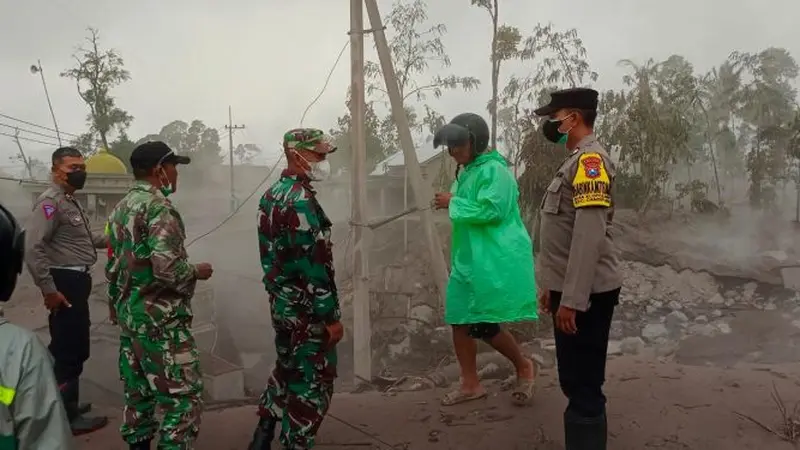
x: 327, y: 80
x: 24, y: 130
x: 21, y: 138
x: 257, y: 189
x: 15, y: 119
x: 238, y: 208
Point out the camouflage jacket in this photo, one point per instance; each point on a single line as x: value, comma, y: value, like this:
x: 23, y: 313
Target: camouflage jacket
x: 150, y: 281
x: 294, y: 237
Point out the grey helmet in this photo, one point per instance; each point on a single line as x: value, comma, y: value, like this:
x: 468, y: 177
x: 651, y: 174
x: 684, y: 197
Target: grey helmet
x: 463, y: 128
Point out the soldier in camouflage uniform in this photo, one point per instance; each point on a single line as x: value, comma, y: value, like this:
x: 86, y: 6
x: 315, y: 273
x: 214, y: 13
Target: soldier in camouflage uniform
x: 150, y: 287
x: 295, y: 247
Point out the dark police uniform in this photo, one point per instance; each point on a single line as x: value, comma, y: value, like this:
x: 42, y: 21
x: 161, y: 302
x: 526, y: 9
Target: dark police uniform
x: 60, y: 252
x: 578, y: 264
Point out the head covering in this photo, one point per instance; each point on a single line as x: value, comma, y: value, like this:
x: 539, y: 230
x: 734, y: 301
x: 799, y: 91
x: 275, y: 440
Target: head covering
x: 12, y: 241
x: 311, y: 139
x: 574, y: 98
x: 151, y: 154
x: 464, y: 128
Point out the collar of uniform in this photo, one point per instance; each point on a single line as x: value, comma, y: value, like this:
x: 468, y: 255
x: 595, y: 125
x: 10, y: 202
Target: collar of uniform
x: 142, y: 185
x: 59, y: 189
x: 585, y: 142
x: 304, y: 179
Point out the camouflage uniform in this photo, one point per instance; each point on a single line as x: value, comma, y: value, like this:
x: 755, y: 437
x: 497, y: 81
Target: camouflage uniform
x: 295, y: 247
x: 150, y: 287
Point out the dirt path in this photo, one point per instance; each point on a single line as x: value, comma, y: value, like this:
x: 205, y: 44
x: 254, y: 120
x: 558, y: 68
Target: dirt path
x: 652, y: 406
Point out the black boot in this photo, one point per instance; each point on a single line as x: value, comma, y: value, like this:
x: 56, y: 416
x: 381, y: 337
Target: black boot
x: 585, y: 433
x: 264, y: 434
x: 144, y: 445
x: 83, y: 408
x: 80, y: 424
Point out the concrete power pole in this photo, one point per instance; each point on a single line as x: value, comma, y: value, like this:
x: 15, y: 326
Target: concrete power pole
x: 362, y: 327
x: 231, y: 128
x: 422, y: 190
x: 25, y: 159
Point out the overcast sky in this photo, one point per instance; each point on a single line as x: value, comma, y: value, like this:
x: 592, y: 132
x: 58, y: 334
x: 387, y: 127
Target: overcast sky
x: 269, y: 58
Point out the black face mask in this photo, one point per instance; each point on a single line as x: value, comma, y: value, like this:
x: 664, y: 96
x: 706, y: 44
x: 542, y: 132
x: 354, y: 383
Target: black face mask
x: 551, y: 133
x: 76, y: 179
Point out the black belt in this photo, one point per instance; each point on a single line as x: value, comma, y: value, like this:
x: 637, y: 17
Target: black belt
x: 75, y: 268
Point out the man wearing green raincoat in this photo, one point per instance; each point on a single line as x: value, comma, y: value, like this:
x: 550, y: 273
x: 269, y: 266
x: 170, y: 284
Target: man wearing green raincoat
x: 492, y: 272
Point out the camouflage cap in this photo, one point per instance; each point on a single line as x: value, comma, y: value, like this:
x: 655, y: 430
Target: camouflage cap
x: 311, y: 139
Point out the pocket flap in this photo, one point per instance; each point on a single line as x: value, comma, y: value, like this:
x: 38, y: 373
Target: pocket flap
x: 555, y: 185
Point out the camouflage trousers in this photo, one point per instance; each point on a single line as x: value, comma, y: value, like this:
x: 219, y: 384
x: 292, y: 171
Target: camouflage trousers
x: 161, y: 372
x: 299, y: 391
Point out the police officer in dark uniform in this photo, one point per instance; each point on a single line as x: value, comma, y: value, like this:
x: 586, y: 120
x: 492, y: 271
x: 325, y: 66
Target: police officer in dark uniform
x: 60, y: 250
x: 31, y: 413
x: 577, y: 268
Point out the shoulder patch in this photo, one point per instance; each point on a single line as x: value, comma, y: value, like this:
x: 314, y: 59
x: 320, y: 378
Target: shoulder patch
x: 48, y: 210
x: 591, y: 185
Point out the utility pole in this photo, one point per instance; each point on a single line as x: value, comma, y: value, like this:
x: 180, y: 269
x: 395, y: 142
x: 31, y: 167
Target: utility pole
x: 362, y: 328
x: 25, y: 159
x: 37, y: 68
x: 231, y: 128
x: 422, y: 190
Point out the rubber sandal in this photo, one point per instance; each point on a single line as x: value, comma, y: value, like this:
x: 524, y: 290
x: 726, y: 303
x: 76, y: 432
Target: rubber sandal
x: 458, y: 397
x: 523, y: 392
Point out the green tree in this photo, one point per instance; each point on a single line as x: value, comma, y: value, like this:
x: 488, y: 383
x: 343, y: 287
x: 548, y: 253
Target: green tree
x: 194, y: 139
x: 245, y: 153
x: 657, y: 125
x: 122, y: 148
x: 415, y: 46
x: 379, y: 146
x: 721, y: 89
x: 560, y: 60
x: 768, y: 102
x: 96, y: 73
x: 505, y: 46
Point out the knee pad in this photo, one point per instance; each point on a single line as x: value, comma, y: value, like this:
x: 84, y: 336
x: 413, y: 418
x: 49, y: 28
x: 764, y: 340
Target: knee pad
x: 484, y: 331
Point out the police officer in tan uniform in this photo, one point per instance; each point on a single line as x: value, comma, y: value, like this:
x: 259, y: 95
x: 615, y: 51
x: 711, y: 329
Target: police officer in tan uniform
x: 60, y: 250
x: 577, y: 268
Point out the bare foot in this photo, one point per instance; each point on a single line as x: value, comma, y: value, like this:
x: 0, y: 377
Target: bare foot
x: 528, y: 371
x: 462, y: 395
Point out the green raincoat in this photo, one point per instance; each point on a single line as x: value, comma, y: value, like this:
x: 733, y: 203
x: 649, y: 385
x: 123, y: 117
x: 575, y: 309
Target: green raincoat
x: 491, y: 275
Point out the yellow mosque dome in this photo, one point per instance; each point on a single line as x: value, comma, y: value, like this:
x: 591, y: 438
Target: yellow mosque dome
x: 104, y: 162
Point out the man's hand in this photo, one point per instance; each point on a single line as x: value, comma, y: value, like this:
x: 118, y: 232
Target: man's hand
x: 55, y: 301
x: 204, y: 271
x: 544, y: 301
x: 112, y: 315
x: 442, y: 200
x: 565, y: 320
x: 335, y: 333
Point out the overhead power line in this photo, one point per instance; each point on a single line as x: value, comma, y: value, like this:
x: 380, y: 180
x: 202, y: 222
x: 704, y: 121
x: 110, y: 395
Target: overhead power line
x: 35, y: 125
x: 24, y: 130
x: 21, y: 138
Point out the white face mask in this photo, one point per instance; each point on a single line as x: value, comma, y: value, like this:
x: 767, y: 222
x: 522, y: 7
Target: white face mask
x: 319, y: 170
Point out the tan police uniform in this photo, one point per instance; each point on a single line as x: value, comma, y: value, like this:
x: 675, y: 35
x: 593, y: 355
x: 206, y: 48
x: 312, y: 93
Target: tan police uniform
x: 60, y: 250
x: 577, y: 256
x: 578, y: 265
x: 59, y: 236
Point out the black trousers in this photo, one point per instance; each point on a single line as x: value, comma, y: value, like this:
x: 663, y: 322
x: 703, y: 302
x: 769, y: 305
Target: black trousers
x: 582, y: 356
x: 69, y: 327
